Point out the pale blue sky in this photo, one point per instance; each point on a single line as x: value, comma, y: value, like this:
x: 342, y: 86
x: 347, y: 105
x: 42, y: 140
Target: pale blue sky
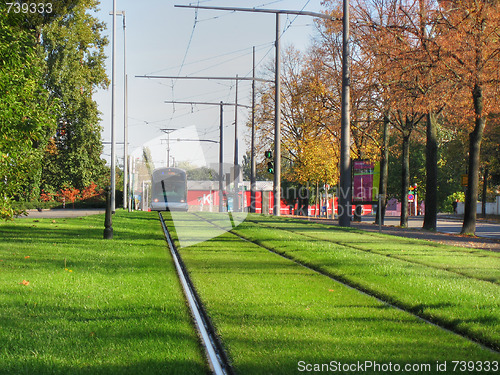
x: 160, y: 37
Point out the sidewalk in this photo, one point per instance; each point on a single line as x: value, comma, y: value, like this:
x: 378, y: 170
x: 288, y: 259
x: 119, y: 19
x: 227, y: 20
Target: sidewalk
x: 444, y: 238
x: 61, y: 213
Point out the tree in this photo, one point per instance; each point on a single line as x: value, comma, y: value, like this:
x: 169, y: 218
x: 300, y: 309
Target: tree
x: 261, y: 174
x: 308, y: 143
x: 470, y: 50
x: 25, y: 115
x: 75, y: 58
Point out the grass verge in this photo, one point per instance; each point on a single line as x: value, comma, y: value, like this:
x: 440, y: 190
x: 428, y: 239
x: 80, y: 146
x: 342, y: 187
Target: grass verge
x: 475, y: 263
x: 464, y: 304
x: 73, y: 303
x: 274, y: 316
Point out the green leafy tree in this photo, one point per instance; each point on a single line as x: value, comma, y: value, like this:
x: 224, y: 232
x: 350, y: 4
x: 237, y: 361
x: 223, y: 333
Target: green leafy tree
x: 75, y: 58
x: 25, y: 115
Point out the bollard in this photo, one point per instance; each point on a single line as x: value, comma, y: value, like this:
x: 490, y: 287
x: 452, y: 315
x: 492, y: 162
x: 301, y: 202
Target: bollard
x: 108, y: 228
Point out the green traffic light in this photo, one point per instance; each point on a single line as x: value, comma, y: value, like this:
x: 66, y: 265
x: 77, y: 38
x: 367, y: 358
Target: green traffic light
x: 270, y: 167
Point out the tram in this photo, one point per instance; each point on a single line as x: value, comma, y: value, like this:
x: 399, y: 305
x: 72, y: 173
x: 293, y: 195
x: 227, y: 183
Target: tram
x: 169, y: 190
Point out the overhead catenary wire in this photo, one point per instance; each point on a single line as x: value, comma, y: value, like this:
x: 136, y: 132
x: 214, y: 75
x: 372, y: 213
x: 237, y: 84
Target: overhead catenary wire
x: 258, y: 48
x: 268, y: 47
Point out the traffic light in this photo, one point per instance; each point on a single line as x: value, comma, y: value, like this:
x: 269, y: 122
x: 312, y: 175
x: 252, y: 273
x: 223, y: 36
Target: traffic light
x: 270, y: 164
x: 270, y: 167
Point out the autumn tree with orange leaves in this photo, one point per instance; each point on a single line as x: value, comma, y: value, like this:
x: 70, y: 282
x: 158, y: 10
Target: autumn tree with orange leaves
x: 469, y: 47
x: 309, y: 152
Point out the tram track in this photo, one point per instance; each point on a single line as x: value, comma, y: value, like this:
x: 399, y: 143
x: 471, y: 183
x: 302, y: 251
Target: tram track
x: 217, y: 357
x: 360, y: 289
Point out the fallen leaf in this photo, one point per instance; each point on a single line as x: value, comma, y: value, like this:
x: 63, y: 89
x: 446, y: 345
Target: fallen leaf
x: 24, y: 282
x: 26, y: 257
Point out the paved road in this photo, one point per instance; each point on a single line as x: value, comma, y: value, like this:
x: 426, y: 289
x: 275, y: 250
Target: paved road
x: 444, y: 225
x: 60, y: 213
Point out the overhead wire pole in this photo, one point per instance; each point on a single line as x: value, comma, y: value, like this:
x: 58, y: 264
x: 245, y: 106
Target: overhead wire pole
x: 344, y: 206
x: 113, y: 84
x: 125, y: 117
x: 236, y: 200
x: 168, y: 131
x: 277, y: 125
x: 221, y: 155
x: 125, y: 113
x: 252, y: 152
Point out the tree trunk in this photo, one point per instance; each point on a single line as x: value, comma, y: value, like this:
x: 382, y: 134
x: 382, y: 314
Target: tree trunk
x: 303, y: 200
x: 431, y: 151
x: 475, y: 138
x: 384, y: 173
x: 405, y: 179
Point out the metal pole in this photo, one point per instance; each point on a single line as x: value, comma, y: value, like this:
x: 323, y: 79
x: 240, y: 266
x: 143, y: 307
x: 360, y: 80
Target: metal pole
x: 108, y: 224
x: 236, y: 203
x: 130, y: 183
x: 125, y: 118
x: 252, y: 151
x: 277, y: 124
x: 221, y: 157
x: 168, y: 150
x: 259, y: 10
x: 345, y: 143
x: 379, y: 213
x: 113, y: 84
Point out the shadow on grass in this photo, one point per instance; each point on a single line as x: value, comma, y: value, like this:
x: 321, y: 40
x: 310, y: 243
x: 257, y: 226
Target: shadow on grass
x: 125, y: 228
x: 135, y: 338
x: 143, y: 367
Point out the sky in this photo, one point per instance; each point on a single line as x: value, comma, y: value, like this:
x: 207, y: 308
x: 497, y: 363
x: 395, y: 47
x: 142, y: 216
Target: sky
x: 164, y: 40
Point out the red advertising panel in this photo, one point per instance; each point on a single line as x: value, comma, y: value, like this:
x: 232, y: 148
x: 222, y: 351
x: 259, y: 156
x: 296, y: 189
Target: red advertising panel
x: 366, y: 177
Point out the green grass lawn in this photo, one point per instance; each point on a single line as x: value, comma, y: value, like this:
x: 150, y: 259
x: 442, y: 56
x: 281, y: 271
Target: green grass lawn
x: 475, y: 263
x: 414, y: 281
x: 273, y: 314
x: 73, y: 303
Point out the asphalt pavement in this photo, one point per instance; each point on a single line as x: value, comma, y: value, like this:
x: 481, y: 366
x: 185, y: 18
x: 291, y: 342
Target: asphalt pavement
x: 62, y: 213
x: 445, y: 224
x: 448, y: 227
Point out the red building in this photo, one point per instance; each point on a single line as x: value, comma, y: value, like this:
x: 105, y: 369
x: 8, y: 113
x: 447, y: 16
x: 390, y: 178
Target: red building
x: 204, y: 196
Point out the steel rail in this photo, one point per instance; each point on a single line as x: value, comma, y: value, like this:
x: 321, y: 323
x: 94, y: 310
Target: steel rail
x: 216, y: 356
